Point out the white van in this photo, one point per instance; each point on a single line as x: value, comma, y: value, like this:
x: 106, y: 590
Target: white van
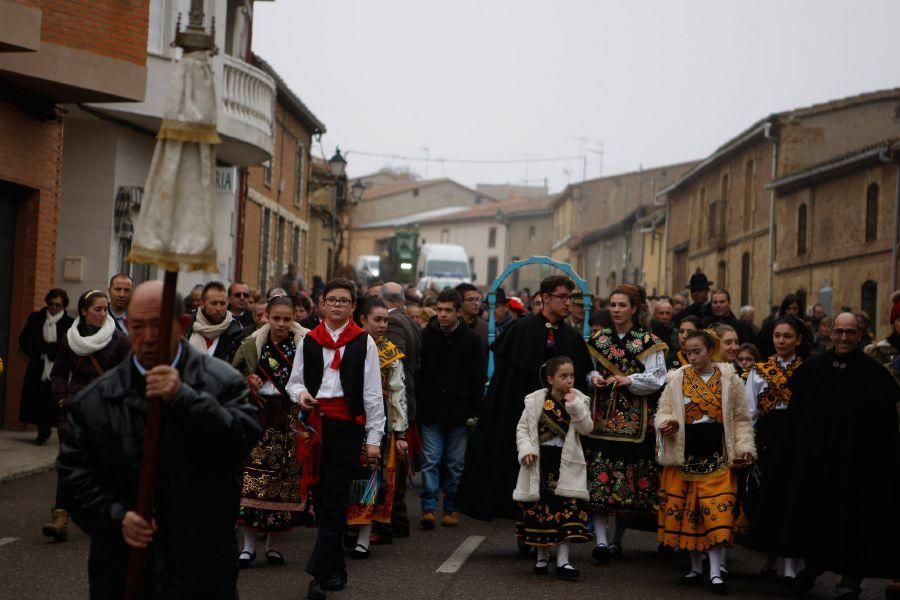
x: 442, y: 265
x: 367, y: 269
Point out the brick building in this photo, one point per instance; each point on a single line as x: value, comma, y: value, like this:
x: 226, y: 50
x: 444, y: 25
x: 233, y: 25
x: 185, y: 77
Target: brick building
x: 48, y: 58
x: 719, y: 214
x: 274, y: 214
x: 837, y: 228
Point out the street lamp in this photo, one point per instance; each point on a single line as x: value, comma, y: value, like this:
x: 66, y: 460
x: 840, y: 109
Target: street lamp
x: 337, y: 164
x: 356, y: 192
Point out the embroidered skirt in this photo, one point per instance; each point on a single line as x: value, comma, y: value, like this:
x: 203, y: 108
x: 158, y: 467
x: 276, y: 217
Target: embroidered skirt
x: 623, y: 477
x: 697, y: 501
x: 363, y: 512
x: 553, y: 519
x: 767, y: 484
x: 270, y: 489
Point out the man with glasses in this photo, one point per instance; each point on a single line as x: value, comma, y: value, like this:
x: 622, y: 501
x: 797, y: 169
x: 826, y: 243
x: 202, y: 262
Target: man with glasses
x: 239, y: 303
x: 471, y: 312
x: 519, y: 355
x: 336, y: 379
x: 842, y: 514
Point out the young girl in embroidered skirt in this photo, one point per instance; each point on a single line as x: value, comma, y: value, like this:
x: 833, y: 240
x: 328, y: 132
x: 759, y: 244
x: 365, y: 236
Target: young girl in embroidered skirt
x: 552, y: 481
x: 705, y: 434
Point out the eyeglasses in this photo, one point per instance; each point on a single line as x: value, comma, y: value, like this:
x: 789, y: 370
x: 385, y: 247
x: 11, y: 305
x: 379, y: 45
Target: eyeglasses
x: 55, y: 304
x: 844, y: 332
x: 332, y: 301
x: 561, y: 297
x: 241, y: 295
x: 472, y: 299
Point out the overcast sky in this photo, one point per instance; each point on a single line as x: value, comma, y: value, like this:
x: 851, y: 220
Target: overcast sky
x: 655, y: 82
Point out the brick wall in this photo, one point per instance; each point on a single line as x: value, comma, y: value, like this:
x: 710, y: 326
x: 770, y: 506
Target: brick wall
x: 30, y: 159
x: 114, y: 28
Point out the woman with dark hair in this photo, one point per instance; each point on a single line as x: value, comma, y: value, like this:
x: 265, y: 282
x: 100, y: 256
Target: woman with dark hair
x: 676, y: 359
x: 623, y: 478
x: 271, y: 502
x: 791, y: 306
x: 92, y: 346
x: 39, y: 341
x: 768, y: 395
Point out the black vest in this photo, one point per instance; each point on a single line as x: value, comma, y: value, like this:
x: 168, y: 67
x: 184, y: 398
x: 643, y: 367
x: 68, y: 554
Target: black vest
x: 352, y: 373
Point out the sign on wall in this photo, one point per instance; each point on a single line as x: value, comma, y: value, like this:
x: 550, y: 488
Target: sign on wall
x: 226, y: 180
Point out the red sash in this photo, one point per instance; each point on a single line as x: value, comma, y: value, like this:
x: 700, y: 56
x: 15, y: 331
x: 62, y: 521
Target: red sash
x: 309, y: 442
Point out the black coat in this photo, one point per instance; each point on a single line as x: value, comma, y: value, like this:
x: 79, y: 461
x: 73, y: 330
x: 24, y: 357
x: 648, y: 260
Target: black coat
x: 37, y: 405
x: 844, y: 455
x: 451, y: 375
x: 742, y: 328
x: 406, y: 334
x: 492, y: 465
x: 701, y: 311
x: 208, y: 429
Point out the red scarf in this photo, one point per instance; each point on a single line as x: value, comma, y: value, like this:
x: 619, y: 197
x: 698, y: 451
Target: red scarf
x: 323, y: 337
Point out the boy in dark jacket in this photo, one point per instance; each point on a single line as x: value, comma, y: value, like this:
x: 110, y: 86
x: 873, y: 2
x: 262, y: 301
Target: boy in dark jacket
x: 448, y: 393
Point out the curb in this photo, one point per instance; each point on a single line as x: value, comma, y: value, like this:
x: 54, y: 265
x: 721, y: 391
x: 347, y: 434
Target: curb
x: 27, y: 472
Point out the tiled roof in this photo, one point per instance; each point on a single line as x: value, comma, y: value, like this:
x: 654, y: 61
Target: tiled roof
x: 294, y: 104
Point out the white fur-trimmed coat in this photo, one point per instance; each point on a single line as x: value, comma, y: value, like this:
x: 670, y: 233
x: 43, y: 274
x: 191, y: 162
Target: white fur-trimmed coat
x: 739, y: 435
x: 572, y: 469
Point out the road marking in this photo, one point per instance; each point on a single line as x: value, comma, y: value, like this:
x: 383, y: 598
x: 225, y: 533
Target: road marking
x: 461, y: 554
x: 8, y: 540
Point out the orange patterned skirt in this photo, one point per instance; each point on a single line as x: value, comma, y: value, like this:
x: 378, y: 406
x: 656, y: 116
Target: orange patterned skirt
x: 696, y: 511
x: 379, y: 512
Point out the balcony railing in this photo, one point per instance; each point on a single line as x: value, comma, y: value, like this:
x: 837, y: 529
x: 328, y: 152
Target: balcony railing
x: 248, y: 94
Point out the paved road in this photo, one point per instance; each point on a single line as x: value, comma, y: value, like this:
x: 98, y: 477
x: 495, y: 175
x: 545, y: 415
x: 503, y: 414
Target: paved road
x: 33, y: 568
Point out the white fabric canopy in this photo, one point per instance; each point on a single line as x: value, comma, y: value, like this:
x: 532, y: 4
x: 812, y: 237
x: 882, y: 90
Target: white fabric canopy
x: 175, y: 227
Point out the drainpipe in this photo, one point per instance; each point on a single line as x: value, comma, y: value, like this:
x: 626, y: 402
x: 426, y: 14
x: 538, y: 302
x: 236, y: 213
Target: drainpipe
x: 241, y: 217
x: 767, y: 134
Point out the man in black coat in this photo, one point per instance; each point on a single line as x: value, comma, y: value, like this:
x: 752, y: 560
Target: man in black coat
x: 215, y: 329
x: 406, y: 334
x: 699, y: 287
x: 207, y: 431
x: 492, y: 464
x: 451, y: 382
x: 721, y: 313
x: 842, y: 510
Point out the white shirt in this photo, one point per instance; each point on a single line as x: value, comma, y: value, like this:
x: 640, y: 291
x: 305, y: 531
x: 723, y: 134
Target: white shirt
x: 756, y: 385
x: 120, y: 320
x: 705, y: 377
x: 143, y: 371
x: 373, y: 403
x: 653, y: 377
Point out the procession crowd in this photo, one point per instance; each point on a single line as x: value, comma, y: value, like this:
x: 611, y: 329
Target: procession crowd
x: 314, y: 406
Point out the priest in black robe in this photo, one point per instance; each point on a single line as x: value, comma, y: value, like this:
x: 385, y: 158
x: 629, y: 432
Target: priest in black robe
x: 492, y: 465
x: 843, y: 513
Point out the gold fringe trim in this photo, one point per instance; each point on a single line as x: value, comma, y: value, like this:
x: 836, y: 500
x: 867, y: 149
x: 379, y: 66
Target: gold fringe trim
x: 174, y: 261
x: 200, y: 133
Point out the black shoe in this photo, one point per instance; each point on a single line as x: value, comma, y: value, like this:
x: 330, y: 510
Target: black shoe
x: 567, y: 572
x: 692, y: 578
x: 804, y: 582
x: 316, y: 591
x: 336, y: 583
x: 615, y: 551
x: 540, y: 567
x: 360, y: 552
x: 718, y: 586
x: 601, y: 554
x: 245, y: 558
x: 274, y: 557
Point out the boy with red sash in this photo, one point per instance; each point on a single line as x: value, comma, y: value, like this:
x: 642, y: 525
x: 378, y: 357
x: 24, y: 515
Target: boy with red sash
x: 336, y: 379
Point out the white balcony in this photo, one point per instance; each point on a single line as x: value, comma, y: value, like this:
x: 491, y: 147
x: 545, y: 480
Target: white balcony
x: 246, y: 112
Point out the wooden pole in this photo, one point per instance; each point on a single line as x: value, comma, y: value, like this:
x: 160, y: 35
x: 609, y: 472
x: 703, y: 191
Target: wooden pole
x: 146, y: 496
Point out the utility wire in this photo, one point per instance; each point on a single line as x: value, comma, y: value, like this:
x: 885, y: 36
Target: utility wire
x: 469, y: 161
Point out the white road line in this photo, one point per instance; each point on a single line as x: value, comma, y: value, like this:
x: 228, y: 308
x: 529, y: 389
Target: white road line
x: 8, y: 540
x: 461, y: 554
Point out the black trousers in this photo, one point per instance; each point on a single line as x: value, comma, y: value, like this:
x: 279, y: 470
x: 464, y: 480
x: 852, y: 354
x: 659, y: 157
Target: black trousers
x: 342, y: 444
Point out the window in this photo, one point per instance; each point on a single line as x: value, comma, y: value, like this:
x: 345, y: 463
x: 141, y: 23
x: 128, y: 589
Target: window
x: 492, y: 237
x: 722, y: 275
x: 445, y: 236
x: 295, y: 247
x: 532, y: 232
x: 264, y: 250
x: 872, y: 212
x: 723, y: 206
x: 267, y: 173
x: 702, y: 215
x: 747, y: 216
x: 869, y: 299
x: 801, y: 230
x: 679, y: 270
x: 156, y: 28
x: 712, y: 221
x: 514, y: 278
x: 279, y: 247
x: 745, y: 279
x: 415, y: 193
x: 491, y: 269
x: 298, y: 176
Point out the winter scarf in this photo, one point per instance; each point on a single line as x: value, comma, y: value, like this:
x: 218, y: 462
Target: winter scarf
x: 203, y: 329
x: 85, y: 345
x: 49, y: 335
